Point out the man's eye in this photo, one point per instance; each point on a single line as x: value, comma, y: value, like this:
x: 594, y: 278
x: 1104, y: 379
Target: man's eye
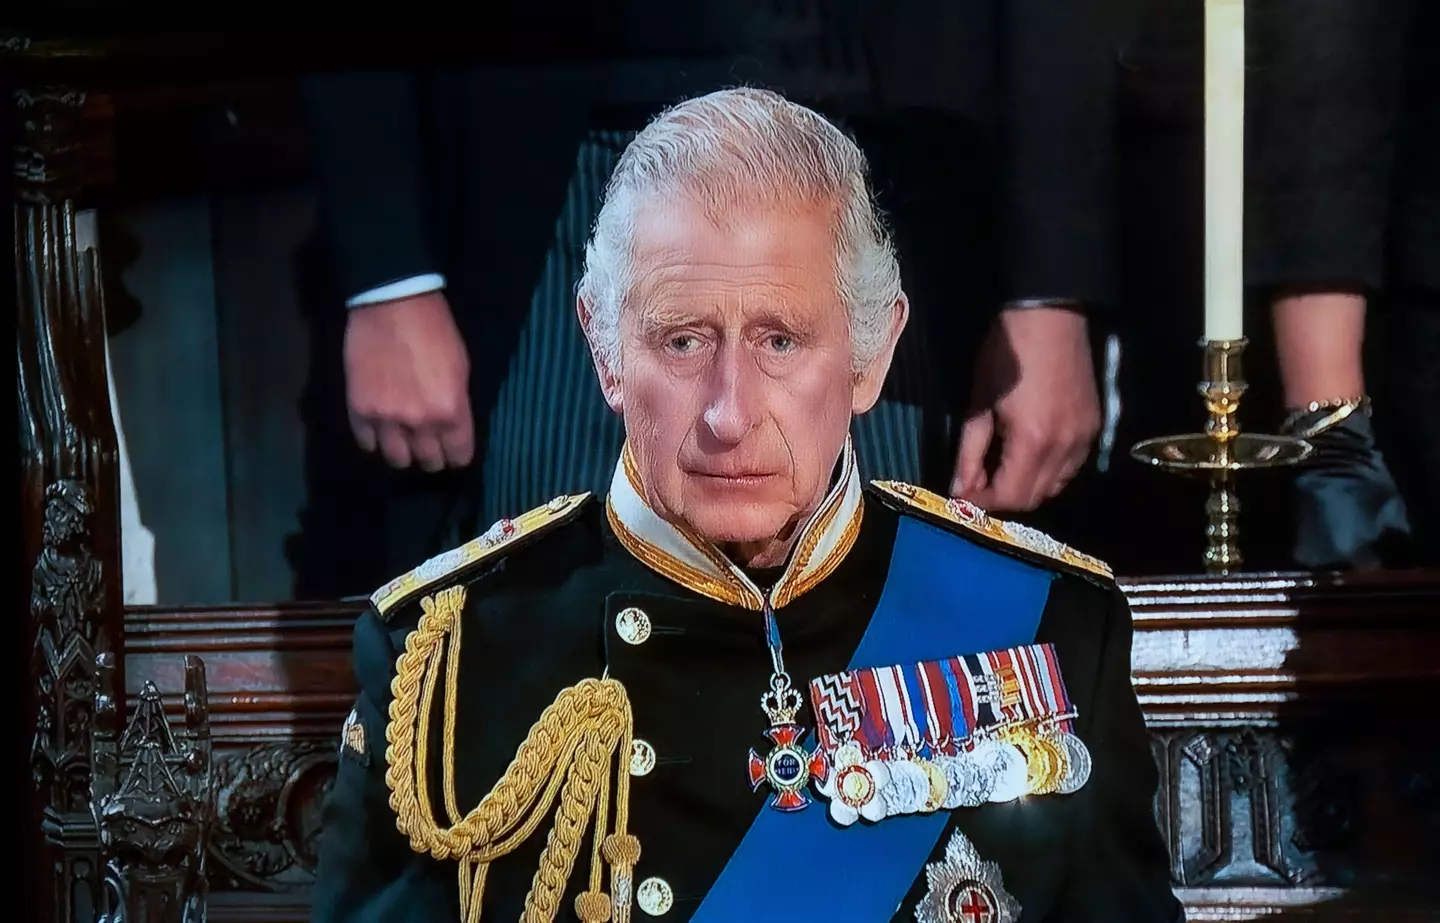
x: 780, y: 342
x: 683, y: 343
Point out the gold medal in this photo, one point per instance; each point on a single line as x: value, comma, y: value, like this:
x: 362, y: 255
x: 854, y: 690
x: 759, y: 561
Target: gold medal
x: 1057, y: 764
x: 1046, y: 762
x: 939, y: 784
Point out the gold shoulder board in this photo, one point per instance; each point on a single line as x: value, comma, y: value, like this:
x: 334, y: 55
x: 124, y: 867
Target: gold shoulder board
x: 972, y: 518
x: 498, y: 537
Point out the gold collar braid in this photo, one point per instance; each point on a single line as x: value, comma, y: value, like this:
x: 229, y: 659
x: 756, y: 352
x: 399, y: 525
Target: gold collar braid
x: 568, y: 752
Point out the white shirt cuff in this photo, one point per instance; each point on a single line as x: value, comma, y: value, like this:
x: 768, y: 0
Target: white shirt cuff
x: 404, y: 288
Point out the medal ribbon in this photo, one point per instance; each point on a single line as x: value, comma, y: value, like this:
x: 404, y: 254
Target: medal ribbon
x: 899, y: 715
x: 925, y: 707
x: 1051, y: 668
x: 984, y: 691
x: 914, y: 689
x: 962, y: 717
x: 875, y: 735
x: 937, y: 707
x: 772, y: 641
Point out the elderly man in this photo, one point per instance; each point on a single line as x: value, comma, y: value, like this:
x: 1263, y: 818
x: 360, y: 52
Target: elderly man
x: 743, y: 687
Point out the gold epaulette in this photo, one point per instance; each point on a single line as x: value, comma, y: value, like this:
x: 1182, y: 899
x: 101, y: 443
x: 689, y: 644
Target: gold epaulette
x: 973, y: 519
x: 574, y: 759
x: 498, y: 537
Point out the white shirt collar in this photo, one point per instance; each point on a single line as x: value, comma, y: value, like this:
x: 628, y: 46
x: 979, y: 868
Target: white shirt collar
x: 679, y: 554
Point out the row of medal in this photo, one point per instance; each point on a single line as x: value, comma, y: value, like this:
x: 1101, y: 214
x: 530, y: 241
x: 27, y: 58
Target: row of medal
x: 989, y: 727
x: 1016, y: 763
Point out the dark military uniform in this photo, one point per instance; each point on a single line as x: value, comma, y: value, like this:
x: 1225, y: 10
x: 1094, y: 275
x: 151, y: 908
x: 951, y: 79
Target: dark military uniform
x: 544, y: 598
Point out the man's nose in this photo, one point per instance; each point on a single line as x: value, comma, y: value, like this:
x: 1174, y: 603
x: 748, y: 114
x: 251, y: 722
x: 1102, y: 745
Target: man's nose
x: 734, y: 408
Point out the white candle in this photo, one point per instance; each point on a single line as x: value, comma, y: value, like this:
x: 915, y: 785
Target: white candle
x: 1224, y: 167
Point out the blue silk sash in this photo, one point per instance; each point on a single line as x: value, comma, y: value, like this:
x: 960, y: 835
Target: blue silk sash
x: 943, y: 596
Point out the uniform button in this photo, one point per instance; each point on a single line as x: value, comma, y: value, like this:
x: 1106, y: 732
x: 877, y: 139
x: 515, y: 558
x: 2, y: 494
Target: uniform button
x: 654, y: 896
x: 642, y: 758
x: 632, y: 625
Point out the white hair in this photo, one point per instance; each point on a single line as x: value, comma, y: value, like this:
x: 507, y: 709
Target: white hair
x: 740, y: 146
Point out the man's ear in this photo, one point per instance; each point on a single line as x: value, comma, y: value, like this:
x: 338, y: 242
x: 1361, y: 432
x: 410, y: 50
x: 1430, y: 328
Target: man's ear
x: 609, y: 377
x: 871, y: 379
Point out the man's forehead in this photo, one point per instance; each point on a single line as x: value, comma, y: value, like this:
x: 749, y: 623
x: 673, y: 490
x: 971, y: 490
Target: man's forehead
x: 663, y: 306
x: 680, y: 235
x: 679, y: 289
x: 679, y: 270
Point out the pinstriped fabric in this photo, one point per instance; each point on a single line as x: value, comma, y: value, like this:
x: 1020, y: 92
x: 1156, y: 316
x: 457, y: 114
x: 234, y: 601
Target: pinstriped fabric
x: 887, y: 439
x: 551, y: 431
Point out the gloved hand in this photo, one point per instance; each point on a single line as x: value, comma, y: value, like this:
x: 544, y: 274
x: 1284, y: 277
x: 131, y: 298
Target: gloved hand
x: 1349, y: 512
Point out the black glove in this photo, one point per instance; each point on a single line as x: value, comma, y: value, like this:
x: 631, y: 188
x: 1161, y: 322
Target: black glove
x: 1349, y: 512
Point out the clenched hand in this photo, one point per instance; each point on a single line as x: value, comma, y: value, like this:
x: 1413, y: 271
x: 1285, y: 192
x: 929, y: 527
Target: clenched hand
x: 1035, y: 390
x: 407, y: 383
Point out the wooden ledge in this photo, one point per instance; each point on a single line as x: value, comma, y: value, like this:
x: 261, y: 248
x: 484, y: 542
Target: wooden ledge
x: 1246, y: 650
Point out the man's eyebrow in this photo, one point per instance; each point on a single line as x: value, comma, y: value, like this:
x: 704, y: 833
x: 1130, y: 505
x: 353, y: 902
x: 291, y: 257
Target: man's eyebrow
x: 654, y: 321
x: 776, y: 317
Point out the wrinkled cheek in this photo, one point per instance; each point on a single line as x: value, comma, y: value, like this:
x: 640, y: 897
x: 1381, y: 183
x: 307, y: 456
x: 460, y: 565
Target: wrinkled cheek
x: 650, y: 417
x: 664, y: 397
x: 827, y: 416
x: 817, y: 435
x: 836, y: 414
x: 656, y: 427
x: 640, y: 428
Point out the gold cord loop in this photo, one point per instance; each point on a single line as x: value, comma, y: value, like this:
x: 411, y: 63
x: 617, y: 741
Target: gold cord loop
x: 581, y: 738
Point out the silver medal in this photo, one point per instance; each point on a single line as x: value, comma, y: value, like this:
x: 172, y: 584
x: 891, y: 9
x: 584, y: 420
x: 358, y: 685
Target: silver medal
x: 970, y: 782
x: 908, y: 789
x: 1079, y: 769
x: 990, y: 763
x: 1010, y: 773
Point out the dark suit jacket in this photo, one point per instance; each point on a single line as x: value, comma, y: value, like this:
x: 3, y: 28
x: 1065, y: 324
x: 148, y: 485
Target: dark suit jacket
x: 543, y: 617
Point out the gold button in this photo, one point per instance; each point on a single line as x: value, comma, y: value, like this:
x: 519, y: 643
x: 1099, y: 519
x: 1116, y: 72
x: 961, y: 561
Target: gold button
x: 654, y: 896
x: 632, y: 625
x: 642, y: 758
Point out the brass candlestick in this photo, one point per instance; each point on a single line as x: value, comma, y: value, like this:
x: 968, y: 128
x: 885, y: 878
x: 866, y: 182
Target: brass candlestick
x: 1221, y: 451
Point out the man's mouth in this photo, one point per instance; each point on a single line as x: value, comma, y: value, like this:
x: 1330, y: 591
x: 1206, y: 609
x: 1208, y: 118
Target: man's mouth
x: 732, y: 479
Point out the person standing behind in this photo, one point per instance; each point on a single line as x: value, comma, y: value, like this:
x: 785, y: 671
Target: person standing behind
x: 1340, y: 219
x: 989, y: 127
x: 437, y: 189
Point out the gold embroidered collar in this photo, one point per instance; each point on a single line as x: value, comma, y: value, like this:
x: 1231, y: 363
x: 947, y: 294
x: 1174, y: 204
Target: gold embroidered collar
x: 677, y: 553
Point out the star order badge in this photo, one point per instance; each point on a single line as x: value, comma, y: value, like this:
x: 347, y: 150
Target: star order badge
x: 963, y: 888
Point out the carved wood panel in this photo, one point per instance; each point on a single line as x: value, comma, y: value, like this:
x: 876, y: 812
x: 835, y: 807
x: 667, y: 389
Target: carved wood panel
x: 280, y: 686
x: 1282, y: 714
x: 152, y: 798
x: 68, y: 487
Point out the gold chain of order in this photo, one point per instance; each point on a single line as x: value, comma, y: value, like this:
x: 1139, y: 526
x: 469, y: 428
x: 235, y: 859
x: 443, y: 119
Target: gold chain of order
x: 567, y: 753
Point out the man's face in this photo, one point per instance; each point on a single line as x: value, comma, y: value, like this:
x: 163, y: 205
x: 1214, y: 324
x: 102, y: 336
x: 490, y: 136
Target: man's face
x: 736, y: 378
